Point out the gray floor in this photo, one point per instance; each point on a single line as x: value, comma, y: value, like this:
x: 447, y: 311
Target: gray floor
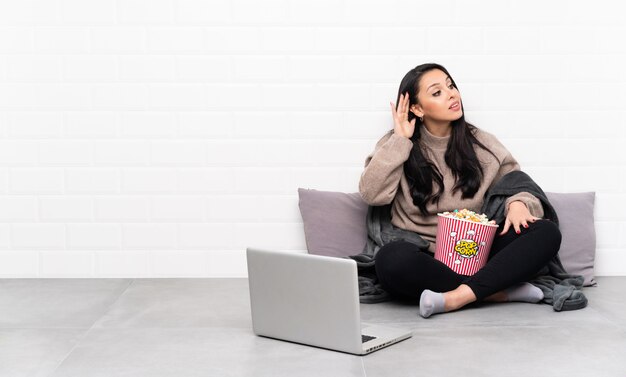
x: 202, y: 327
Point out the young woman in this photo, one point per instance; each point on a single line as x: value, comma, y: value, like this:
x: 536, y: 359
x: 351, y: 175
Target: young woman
x: 434, y: 161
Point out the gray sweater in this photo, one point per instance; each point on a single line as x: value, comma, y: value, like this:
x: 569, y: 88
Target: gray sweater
x: 383, y: 180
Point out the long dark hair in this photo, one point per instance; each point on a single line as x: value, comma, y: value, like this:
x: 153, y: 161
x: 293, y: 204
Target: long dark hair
x: 460, y: 156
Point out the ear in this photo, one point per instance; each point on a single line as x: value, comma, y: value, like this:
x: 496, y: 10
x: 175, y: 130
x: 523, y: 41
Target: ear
x: 417, y: 110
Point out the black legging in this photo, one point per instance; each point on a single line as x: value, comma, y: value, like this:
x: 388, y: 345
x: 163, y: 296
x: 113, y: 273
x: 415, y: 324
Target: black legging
x: 404, y: 270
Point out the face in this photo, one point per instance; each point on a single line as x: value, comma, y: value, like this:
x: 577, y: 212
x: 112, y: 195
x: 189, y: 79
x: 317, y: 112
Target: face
x: 435, y: 97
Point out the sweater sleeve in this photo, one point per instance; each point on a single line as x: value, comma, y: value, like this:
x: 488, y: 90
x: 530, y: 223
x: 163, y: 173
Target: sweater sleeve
x: 383, y: 169
x: 532, y: 203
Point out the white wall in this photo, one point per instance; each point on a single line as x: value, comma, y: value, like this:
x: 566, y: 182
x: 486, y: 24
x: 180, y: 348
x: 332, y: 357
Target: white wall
x: 161, y: 137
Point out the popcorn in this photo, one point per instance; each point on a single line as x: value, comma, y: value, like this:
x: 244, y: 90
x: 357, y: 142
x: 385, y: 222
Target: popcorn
x: 466, y: 214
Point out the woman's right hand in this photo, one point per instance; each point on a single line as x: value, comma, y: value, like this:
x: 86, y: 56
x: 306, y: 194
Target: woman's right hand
x: 402, y: 126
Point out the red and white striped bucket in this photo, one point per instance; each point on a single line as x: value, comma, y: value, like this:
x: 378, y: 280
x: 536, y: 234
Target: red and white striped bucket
x: 463, y: 245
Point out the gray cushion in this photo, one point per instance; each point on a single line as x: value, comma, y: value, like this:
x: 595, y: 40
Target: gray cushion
x: 335, y: 225
x: 576, y: 221
x: 334, y: 222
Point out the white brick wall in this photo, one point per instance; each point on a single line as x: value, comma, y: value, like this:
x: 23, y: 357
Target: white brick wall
x: 162, y: 137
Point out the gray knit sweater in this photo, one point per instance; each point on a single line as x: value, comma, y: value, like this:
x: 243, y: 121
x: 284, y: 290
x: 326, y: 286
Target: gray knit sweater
x: 383, y: 180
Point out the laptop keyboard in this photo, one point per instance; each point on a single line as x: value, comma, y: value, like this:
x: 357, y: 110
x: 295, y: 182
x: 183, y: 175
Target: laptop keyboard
x: 366, y: 338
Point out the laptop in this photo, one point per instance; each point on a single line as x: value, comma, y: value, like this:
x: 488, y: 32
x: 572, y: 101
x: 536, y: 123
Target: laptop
x: 313, y: 300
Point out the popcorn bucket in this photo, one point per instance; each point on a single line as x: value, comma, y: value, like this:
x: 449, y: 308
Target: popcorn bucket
x: 463, y: 245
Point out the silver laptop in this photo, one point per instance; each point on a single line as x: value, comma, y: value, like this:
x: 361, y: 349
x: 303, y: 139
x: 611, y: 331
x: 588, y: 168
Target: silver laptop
x: 313, y: 300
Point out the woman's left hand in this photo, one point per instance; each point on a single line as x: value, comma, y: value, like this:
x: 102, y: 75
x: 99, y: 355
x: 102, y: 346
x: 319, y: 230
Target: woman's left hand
x: 518, y: 215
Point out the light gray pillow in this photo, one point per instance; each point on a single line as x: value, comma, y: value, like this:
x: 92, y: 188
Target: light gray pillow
x: 576, y: 222
x: 334, y: 222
